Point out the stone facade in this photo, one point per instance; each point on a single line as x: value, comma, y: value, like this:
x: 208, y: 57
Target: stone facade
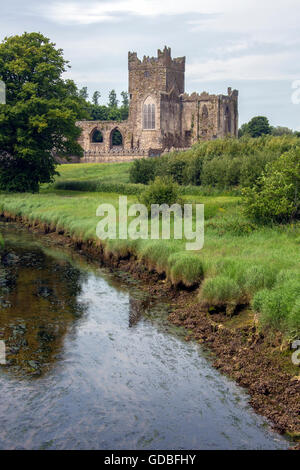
x: 161, y: 115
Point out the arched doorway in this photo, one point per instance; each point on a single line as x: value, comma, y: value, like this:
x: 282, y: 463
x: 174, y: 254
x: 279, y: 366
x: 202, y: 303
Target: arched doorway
x: 96, y: 137
x: 116, y: 139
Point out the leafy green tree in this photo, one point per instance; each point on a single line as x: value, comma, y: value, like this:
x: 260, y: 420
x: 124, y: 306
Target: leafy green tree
x: 244, y: 130
x: 112, y: 99
x: 39, y: 120
x: 83, y: 93
x: 124, y: 110
x: 114, y: 114
x: 259, y: 126
x: 125, y: 99
x: 279, y: 131
x: 96, y: 96
x: 98, y: 113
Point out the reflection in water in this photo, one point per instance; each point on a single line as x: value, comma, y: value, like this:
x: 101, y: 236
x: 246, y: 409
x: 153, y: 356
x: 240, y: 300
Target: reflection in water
x: 39, y: 301
x: 93, y: 364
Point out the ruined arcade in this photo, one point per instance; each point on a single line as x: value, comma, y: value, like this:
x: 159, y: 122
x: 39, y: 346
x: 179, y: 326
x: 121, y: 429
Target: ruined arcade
x: 161, y: 115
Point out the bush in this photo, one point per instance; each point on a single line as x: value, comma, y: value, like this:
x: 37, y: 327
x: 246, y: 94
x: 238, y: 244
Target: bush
x: 275, y: 197
x: 155, y: 255
x: 279, y: 307
x: 259, y: 277
x: 142, y: 171
x: 222, y: 163
x: 221, y: 291
x: 231, y: 225
x: 161, y: 191
x: 185, y: 268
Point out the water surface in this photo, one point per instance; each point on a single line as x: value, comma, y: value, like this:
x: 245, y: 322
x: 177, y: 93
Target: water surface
x: 93, y: 364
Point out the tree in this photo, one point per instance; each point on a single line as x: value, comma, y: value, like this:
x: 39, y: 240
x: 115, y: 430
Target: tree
x: 39, y: 120
x: 259, y: 126
x: 124, y: 110
x: 244, y: 130
x: 125, y: 101
x: 279, y: 131
x: 96, y: 97
x: 83, y: 93
x: 112, y: 99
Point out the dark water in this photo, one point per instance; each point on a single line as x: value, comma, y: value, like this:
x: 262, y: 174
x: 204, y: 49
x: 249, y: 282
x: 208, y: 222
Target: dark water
x: 93, y: 364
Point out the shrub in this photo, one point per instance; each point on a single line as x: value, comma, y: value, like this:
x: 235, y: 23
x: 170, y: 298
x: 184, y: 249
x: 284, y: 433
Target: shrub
x: 223, y: 163
x: 221, y: 290
x: 161, y: 191
x: 258, y: 277
x: 185, y: 268
x: 278, y: 307
x: 275, y: 197
x: 231, y: 225
x: 155, y: 254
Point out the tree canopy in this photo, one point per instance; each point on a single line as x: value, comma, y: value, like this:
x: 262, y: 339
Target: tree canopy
x: 258, y: 126
x: 110, y: 112
x: 38, y: 121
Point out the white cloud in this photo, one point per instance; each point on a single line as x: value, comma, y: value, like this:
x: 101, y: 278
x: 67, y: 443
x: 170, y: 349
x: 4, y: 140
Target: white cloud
x: 249, y: 67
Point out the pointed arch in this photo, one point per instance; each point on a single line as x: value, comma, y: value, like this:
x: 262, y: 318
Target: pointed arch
x: 204, y: 113
x: 116, y: 138
x: 96, y: 136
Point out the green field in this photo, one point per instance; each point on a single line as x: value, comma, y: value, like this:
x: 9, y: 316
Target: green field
x: 106, y: 172
x: 240, y: 263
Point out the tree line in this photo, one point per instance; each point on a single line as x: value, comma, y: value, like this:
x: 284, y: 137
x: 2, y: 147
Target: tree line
x: 110, y: 112
x: 260, y: 125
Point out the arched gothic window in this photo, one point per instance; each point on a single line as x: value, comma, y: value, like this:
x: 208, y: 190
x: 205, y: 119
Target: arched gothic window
x: 96, y: 137
x: 227, y: 121
x: 204, y: 113
x: 116, y: 139
x: 149, y: 114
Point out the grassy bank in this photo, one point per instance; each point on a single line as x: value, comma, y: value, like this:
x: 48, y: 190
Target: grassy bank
x: 240, y: 264
x: 106, y: 172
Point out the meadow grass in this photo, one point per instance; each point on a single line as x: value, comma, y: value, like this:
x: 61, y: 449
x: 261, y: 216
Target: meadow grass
x: 240, y: 263
x: 106, y: 172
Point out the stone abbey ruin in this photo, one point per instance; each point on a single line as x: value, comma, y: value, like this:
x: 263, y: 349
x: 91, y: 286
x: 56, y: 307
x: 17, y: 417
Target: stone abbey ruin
x: 161, y: 115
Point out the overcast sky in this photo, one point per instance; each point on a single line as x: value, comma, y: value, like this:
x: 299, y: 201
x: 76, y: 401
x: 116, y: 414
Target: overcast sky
x: 251, y: 45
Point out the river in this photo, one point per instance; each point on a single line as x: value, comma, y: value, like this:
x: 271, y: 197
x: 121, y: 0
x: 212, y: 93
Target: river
x: 92, y: 363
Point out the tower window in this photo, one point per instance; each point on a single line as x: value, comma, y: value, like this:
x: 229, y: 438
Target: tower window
x: 149, y: 114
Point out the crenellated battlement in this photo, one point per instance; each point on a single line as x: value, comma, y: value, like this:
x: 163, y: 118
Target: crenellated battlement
x: 163, y: 59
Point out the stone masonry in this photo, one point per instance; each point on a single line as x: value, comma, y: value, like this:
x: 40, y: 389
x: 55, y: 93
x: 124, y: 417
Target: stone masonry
x: 161, y: 115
